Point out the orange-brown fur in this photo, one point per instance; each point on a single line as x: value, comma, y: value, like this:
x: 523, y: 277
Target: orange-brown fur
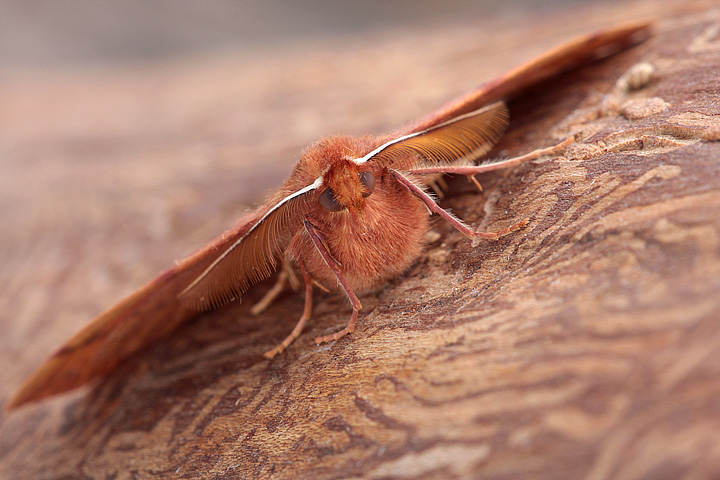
x: 375, y: 238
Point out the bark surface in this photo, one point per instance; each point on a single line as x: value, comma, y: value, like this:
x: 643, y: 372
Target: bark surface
x: 584, y: 346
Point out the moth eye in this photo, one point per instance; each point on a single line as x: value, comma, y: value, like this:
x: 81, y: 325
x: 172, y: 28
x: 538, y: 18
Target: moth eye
x: 368, y: 181
x: 328, y: 201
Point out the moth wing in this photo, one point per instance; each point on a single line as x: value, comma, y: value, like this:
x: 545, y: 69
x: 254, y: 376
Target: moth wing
x: 463, y: 139
x: 565, y: 57
x: 252, y: 257
x: 148, y: 314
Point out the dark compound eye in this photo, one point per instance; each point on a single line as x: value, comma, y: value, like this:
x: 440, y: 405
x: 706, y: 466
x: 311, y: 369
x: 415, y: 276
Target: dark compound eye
x: 368, y: 181
x: 328, y: 201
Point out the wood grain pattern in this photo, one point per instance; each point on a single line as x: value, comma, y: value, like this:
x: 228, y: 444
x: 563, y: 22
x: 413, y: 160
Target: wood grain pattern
x: 583, y: 348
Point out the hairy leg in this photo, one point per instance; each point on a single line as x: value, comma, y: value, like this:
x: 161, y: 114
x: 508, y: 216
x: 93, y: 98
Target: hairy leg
x: 320, y: 243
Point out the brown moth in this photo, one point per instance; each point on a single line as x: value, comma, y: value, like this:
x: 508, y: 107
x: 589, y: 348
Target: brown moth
x: 351, y: 216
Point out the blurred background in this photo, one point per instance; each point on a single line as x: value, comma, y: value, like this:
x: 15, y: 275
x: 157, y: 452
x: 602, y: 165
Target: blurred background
x: 40, y: 33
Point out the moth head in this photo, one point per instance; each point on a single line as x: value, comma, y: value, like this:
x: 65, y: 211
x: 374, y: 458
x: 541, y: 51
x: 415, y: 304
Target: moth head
x: 346, y: 186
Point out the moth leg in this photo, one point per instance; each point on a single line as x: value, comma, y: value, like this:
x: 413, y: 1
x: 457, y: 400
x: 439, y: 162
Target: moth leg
x: 320, y: 244
x: 453, y: 220
x: 285, y: 276
x: 471, y: 178
x: 438, y: 185
x: 321, y: 286
x: 271, y: 294
x: 307, y: 311
x: 489, y: 167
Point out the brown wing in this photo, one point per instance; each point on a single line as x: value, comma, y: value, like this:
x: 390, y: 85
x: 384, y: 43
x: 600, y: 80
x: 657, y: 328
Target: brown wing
x: 252, y: 257
x: 565, y: 57
x: 462, y: 139
x: 147, y: 315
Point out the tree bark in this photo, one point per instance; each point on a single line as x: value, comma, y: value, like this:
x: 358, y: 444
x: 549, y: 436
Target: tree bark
x: 584, y: 346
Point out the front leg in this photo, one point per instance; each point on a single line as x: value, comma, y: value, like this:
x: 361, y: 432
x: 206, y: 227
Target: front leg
x: 453, y: 220
x: 470, y: 170
x: 321, y: 246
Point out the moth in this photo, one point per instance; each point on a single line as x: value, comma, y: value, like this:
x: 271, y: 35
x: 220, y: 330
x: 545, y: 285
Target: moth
x: 351, y: 216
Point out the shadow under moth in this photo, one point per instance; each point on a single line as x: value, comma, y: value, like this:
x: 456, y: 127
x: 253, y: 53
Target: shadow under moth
x: 351, y: 216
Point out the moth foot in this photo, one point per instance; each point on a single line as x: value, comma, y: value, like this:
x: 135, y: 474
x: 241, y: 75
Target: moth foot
x: 337, y: 335
x: 501, y: 233
x: 275, y: 351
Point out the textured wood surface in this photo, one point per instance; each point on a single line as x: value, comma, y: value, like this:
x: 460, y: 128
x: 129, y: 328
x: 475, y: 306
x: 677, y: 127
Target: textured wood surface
x: 583, y: 347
